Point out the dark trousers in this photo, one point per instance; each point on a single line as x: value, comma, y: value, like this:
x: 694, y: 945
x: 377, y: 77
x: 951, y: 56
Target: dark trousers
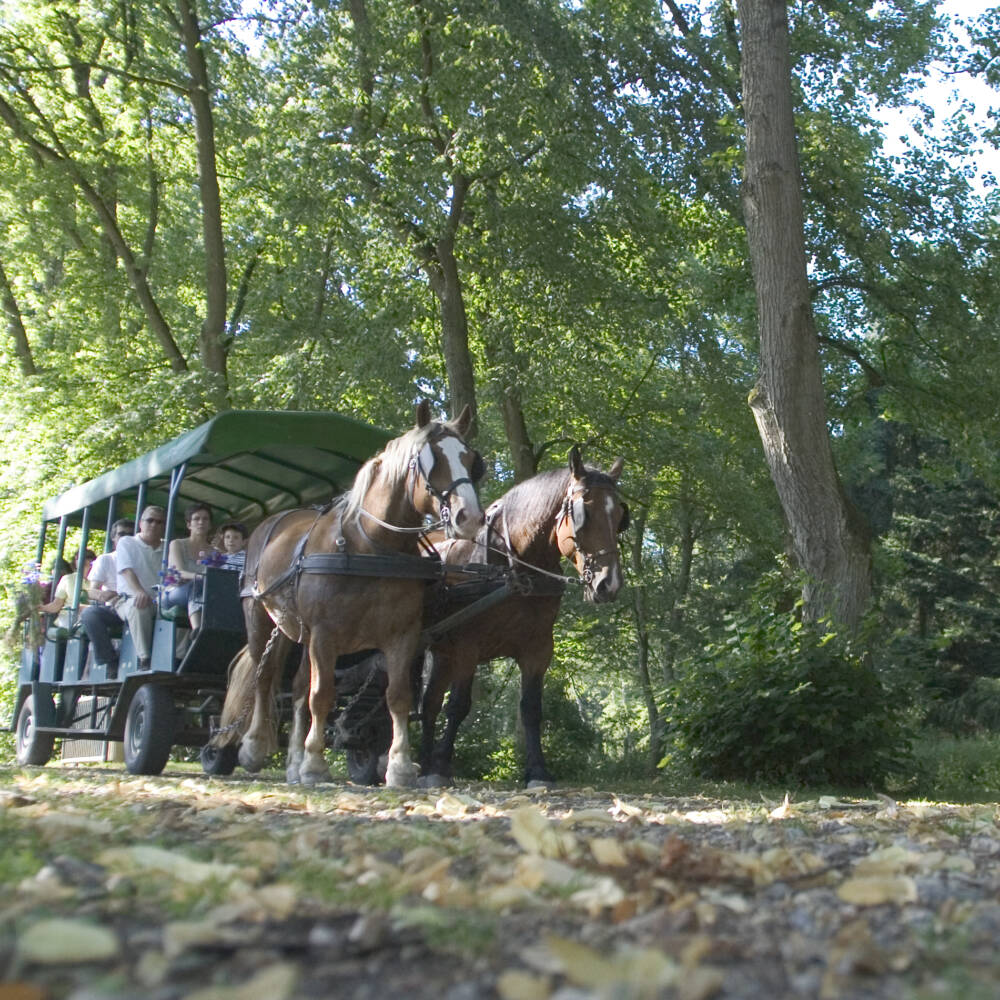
x: 97, y: 621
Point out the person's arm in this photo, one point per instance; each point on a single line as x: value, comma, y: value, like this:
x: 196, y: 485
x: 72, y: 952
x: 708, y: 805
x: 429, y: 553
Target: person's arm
x: 175, y: 559
x: 59, y: 599
x: 102, y: 582
x: 141, y: 597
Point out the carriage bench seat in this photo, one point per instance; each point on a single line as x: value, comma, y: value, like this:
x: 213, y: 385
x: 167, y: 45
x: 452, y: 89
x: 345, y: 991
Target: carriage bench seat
x: 60, y: 633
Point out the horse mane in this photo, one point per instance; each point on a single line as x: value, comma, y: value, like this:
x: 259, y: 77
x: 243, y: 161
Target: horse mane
x: 393, y: 463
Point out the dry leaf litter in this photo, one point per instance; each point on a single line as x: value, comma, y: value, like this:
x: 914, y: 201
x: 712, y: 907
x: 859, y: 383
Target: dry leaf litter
x: 183, y: 887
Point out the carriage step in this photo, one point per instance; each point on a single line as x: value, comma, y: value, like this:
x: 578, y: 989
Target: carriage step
x: 74, y: 734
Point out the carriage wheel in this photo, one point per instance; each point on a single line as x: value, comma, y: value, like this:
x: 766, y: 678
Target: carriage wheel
x: 219, y: 760
x: 33, y: 748
x: 149, y: 730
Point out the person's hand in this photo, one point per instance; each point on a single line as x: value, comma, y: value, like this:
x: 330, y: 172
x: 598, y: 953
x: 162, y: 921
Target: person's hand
x: 143, y: 599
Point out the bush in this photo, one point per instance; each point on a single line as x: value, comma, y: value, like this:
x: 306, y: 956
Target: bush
x: 778, y: 700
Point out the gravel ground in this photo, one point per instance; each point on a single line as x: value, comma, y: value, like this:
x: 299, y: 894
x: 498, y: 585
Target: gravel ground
x: 187, y: 887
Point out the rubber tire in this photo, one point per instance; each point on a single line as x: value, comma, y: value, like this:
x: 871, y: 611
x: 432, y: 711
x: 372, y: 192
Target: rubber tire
x: 149, y: 730
x: 219, y: 761
x: 33, y: 748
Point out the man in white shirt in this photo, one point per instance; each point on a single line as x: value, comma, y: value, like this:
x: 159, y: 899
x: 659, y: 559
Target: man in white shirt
x: 98, y: 617
x: 140, y: 558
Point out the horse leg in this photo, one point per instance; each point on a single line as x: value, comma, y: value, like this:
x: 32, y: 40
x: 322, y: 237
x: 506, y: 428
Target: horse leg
x: 400, y: 771
x: 261, y: 739
x: 536, y: 774
x: 300, y: 720
x: 430, y: 708
x: 322, y: 695
x: 440, y: 766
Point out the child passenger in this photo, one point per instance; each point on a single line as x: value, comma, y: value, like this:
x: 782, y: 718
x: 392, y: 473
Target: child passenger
x: 231, y: 541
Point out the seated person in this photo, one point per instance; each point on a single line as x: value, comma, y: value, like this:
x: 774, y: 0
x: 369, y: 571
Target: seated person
x: 231, y: 541
x: 65, y: 590
x: 98, y: 618
x: 139, y: 558
x: 183, y: 562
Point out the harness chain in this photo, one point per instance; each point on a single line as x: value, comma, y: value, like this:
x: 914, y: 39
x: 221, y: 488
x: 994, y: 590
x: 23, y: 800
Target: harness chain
x: 247, y: 710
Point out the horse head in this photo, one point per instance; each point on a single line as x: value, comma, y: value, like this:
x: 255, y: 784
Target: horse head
x: 588, y: 525
x: 449, y: 470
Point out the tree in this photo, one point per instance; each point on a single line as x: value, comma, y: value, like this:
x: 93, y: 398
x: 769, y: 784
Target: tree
x: 829, y: 539
x: 98, y: 107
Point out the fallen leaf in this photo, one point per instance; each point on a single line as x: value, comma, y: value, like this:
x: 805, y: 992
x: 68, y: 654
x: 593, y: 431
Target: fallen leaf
x: 515, y: 984
x: 645, y: 972
x: 276, y: 982
x: 60, y: 941
x: 873, y: 891
x: 142, y: 857
x: 608, y: 852
x: 783, y: 811
x: 533, y: 832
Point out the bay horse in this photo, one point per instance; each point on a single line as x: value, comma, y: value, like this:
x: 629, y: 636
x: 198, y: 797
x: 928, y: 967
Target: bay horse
x: 294, y: 592
x: 574, y: 512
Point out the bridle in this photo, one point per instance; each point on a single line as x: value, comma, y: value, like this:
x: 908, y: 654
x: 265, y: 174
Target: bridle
x: 443, y: 497
x: 573, y: 512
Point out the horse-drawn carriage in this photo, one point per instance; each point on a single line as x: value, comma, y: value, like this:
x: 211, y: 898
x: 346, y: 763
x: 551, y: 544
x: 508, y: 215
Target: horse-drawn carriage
x: 245, y: 465
x: 345, y: 581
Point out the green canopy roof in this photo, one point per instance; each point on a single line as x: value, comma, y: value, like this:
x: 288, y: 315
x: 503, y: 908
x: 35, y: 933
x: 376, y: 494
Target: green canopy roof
x: 245, y: 464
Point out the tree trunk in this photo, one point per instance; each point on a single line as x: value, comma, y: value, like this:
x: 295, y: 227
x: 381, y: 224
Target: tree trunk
x: 503, y: 378
x: 212, y: 342
x: 441, y: 267
x: 22, y: 347
x: 640, y: 614
x: 828, y: 537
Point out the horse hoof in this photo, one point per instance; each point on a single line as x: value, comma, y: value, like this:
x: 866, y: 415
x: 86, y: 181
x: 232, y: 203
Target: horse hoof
x: 249, y: 760
x: 434, y: 781
x: 318, y: 777
x: 538, y: 783
x: 401, y: 774
x: 292, y: 776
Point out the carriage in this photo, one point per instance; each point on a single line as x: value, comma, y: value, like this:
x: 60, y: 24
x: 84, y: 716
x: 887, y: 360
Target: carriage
x: 343, y: 576
x: 245, y: 465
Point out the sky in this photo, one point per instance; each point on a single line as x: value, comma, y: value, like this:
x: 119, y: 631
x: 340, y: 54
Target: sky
x: 946, y: 90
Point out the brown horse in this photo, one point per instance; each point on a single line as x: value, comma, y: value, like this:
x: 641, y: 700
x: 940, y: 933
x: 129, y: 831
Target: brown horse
x: 575, y: 513
x: 296, y: 590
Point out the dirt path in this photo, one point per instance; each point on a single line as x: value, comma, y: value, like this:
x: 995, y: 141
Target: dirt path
x: 185, y: 887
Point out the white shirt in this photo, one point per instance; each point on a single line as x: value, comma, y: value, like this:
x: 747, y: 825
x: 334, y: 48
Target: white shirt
x: 146, y: 562
x: 104, y: 573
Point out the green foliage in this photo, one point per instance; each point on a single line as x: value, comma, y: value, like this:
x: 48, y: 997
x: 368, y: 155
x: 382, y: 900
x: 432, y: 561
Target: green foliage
x: 955, y: 769
x: 780, y: 700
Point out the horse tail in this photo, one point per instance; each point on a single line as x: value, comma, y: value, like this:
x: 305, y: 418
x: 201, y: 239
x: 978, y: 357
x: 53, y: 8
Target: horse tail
x: 237, y: 709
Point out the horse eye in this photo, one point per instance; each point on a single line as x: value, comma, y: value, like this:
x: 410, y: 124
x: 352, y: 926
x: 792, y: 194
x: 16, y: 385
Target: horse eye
x: 626, y: 519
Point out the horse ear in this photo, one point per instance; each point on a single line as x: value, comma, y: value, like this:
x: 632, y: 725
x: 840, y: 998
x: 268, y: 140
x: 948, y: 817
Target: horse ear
x: 616, y: 470
x: 576, y: 463
x: 463, y: 421
x: 423, y: 413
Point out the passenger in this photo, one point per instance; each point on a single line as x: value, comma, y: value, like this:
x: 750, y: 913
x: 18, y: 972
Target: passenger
x: 231, y: 541
x: 139, y: 559
x: 65, y: 589
x: 183, y: 562
x: 99, y: 617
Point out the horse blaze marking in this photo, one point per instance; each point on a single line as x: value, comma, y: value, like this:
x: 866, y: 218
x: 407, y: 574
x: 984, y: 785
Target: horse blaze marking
x: 453, y: 450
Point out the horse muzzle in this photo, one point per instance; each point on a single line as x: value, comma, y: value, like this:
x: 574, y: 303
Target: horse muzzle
x: 603, y: 586
x: 464, y: 520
